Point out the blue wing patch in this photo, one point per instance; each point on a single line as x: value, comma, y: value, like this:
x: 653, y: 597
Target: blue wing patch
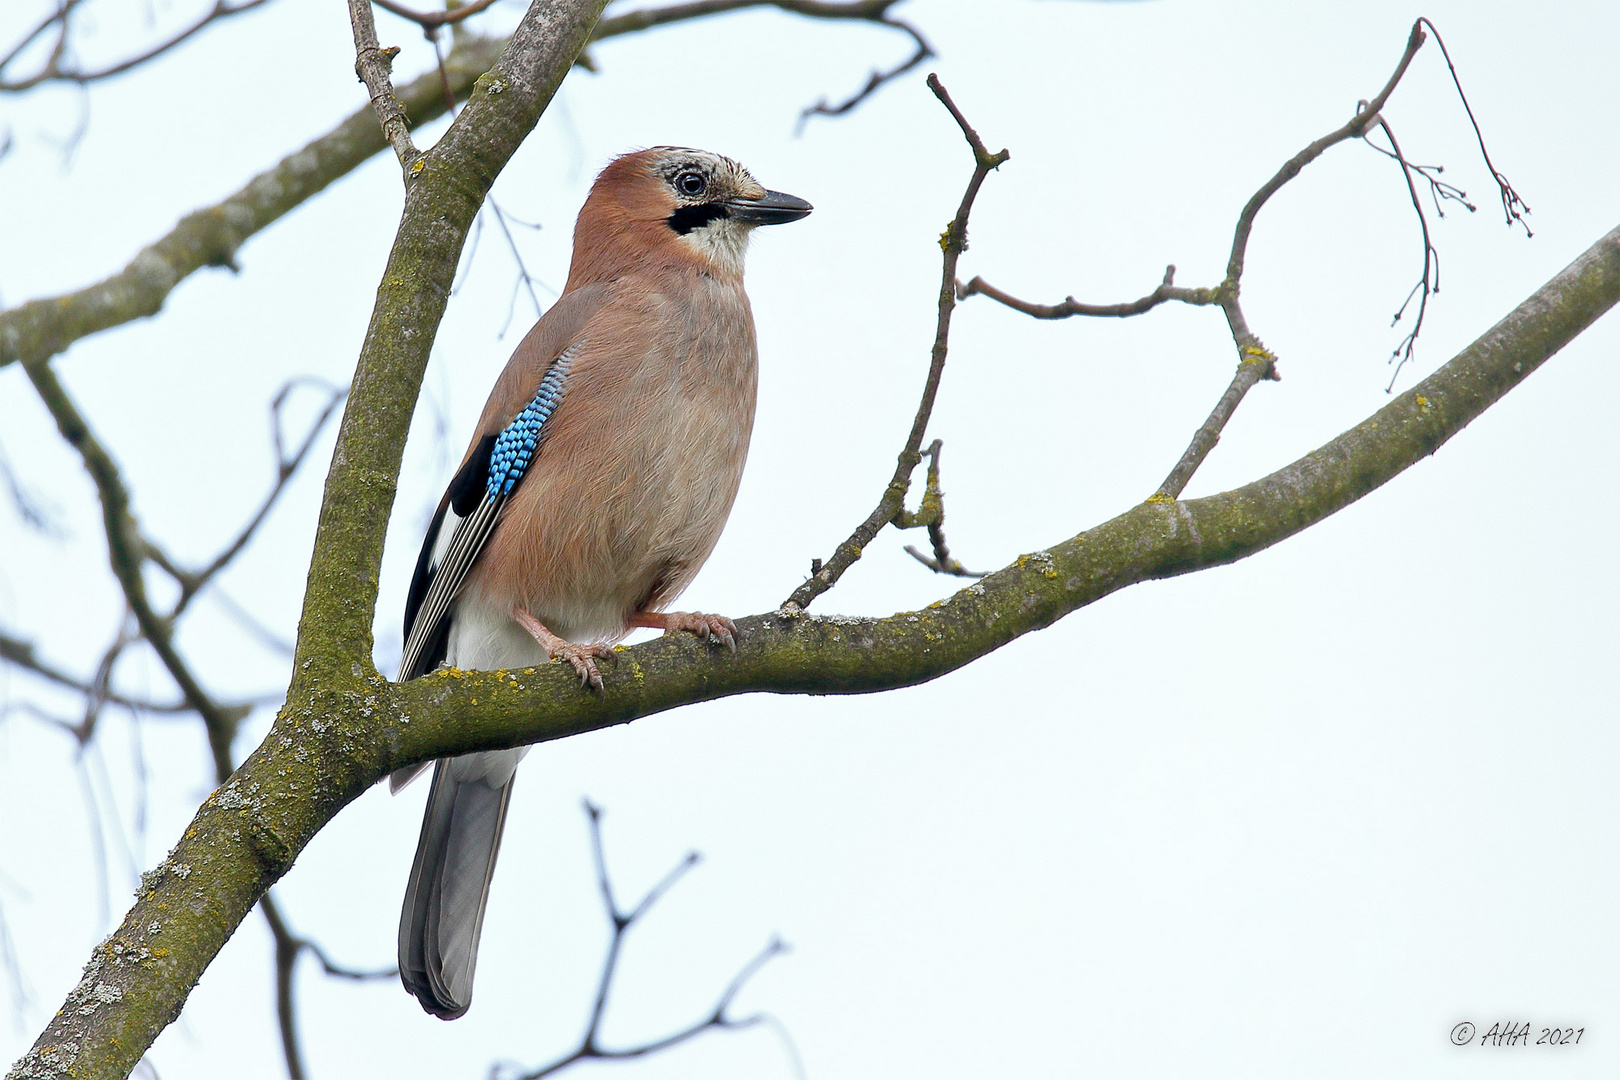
x: 517, y: 444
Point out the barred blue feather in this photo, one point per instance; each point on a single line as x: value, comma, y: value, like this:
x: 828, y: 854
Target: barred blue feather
x: 519, y: 441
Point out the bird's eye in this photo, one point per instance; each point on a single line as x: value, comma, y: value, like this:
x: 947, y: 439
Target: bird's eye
x: 690, y: 184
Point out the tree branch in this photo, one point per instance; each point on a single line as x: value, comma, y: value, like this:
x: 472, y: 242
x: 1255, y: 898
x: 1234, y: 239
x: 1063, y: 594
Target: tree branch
x: 21, y: 653
x: 1166, y: 291
x: 137, y: 981
x: 344, y: 726
x: 53, y: 71
x: 127, y: 552
x: 329, y: 746
x: 952, y: 242
x: 590, y: 1047
x: 374, y: 65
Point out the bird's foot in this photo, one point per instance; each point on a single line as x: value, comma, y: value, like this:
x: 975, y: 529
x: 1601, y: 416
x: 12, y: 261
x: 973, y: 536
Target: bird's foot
x: 708, y: 627
x: 583, y: 658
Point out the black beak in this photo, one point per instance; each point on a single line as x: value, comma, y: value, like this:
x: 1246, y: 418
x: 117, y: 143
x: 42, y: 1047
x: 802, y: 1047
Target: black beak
x: 775, y: 208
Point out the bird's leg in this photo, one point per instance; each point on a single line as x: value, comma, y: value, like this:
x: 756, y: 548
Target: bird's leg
x: 708, y: 627
x: 583, y: 657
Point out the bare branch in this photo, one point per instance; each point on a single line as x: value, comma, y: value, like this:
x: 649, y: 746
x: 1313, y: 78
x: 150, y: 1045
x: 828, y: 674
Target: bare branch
x: 40, y: 329
x: 127, y: 551
x: 374, y: 65
x: 1428, y: 281
x: 524, y: 277
x: 1356, y: 127
x: 21, y: 653
x: 1167, y: 290
x: 878, y: 78
x: 931, y: 515
x: 53, y: 71
x: 432, y: 20
x: 193, y: 582
x: 1513, y: 207
x: 1257, y: 363
x: 590, y: 1047
x: 952, y: 242
x: 288, y: 947
x: 35, y: 512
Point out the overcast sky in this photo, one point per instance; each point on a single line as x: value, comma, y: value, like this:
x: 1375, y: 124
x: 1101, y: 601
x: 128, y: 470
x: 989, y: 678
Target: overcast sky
x: 1295, y: 817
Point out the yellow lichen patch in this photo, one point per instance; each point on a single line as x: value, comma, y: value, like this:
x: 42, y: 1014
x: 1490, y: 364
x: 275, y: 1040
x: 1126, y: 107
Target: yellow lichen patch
x: 1425, y: 406
x: 1159, y: 497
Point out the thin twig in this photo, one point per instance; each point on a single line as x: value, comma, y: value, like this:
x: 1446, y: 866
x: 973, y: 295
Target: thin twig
x: 1356, y: 127
x: 193, y: 582
x: 288, y: 946
x: 873, y: 11
x: 432, y: 20
x: 1513, y: 207
x: 21, y: 998
x: 127, y: 550
x: 877, y: 79
x: 590, y: 1047
x: 931, y: 514
x: 524, y: 277
x: 952, y: 243
x: 21, y: 653
x: 1428, y: 282
x: 53, y: 71
x: 374, y: 64
x: 1255, y: 361
x: 1258, y: 363
x: 36, y: 512
x: 1166, y: 291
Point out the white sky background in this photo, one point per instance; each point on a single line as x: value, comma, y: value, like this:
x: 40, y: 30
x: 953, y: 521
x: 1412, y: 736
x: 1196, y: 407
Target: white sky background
x: 1295, y: 817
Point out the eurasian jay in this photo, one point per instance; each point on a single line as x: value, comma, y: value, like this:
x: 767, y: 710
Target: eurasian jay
x: 604, y: 467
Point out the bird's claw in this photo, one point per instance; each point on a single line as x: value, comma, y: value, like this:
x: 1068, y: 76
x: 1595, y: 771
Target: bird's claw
x: 584, y: 658
x: 708, y: 627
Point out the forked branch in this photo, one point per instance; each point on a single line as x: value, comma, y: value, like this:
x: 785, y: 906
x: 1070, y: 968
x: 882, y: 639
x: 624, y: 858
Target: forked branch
x: 590, y: 1047
x: 952, y: 242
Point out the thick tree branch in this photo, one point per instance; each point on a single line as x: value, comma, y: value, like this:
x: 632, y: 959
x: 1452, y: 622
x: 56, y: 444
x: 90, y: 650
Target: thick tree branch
x: 787, y: 652
x: 330, y: 745
x: 138, y: 980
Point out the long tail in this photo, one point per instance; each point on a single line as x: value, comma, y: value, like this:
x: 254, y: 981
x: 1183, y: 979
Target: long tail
x: 449, y: 887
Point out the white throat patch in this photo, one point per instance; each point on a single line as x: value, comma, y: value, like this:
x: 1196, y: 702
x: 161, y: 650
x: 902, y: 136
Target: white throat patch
x: 723, y: 242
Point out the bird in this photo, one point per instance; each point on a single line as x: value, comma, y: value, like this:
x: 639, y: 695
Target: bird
x: 603, y: 469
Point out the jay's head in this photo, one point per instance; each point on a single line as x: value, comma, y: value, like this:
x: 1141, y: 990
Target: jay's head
x: 674, y: 202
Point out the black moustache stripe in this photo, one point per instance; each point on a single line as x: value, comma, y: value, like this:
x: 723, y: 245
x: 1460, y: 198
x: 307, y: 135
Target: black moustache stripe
x: 688, y: 218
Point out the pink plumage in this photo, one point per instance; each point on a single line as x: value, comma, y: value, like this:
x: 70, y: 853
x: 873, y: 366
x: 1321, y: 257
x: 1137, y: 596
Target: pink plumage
x: 633, y: 475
